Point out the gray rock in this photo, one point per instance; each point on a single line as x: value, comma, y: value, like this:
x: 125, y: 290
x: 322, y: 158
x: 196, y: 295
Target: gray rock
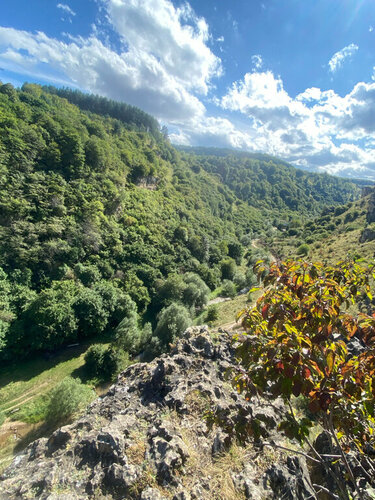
x: 151, y: 494
x: 150, y: 429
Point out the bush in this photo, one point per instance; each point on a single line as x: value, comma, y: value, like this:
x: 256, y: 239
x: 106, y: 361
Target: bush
x: 303, y: 249
x: 114, y: 361
x: 212, y: 313
x: 128, y: 334
x: 196, y: 291
x: 66, y: 399
x: 104, y: 363
x: 228, y: 289
x: 228, y: 269
x: 251, y: 279
x: 239, y: 280
x: 94, y: 360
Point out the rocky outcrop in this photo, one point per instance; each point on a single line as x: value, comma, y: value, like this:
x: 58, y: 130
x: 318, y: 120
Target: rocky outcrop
x: 149, y: 438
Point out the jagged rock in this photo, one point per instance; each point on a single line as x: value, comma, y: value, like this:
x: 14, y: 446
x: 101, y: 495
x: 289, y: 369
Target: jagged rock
x: 289, y: 481
x: 221, y: 443
x: 151, y: 494
x: 58, y: 440
x: 167, y: 451
x: 149, y: 432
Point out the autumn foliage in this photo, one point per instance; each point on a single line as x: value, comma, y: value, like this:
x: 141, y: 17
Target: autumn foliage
x: 298, y: 339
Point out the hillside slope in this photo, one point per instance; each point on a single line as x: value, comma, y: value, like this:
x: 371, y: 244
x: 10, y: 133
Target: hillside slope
x: 266, y: 182
x: 97, y: 209
x: 338, y: 233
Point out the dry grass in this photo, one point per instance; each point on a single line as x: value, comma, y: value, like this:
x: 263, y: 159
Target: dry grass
x: 136, y: 451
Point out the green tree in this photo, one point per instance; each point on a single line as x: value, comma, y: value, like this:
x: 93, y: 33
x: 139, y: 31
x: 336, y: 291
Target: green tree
x: 228, y: 269
x: 172, y: 322
x: 196, y: 291
x: 91, y: 312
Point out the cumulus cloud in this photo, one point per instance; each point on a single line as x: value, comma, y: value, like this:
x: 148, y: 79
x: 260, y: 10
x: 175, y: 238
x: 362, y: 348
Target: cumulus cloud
x: 164, y: 65
x: 317, y: 129
x: 66, y: 8
x: 337, y: 60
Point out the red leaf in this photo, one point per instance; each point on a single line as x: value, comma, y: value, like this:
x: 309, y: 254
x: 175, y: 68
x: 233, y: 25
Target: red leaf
x: 279, y: 366
x: 306, y: 372
x: 265, y: 310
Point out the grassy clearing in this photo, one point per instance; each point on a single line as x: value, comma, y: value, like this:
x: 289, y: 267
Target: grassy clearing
x: 23, y: 388
x: 227, y: 312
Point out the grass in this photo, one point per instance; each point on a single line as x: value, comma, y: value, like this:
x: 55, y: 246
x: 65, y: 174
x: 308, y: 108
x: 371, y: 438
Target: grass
x: 23, y: 389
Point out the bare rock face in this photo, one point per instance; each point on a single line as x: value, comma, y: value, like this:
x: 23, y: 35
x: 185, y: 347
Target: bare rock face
x: 149, y: 438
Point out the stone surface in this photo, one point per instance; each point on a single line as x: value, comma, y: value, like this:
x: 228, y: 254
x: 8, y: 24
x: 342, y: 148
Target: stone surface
x: 149, y: 437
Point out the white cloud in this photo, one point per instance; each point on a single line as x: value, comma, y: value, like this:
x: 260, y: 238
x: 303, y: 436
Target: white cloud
x: 66, y: 9
x: 165, y: 61
x: 165, y: 65
x: 257, y: 61
x: 317, y: 128
x: 337, y: 60
x: 156, y: 28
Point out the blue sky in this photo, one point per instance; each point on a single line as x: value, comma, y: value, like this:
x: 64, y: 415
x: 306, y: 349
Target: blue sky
x: 293, y: 78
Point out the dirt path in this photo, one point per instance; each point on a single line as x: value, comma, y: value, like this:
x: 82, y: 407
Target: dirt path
x: 256, y: 244
x: 218, y: 300
x: 24, y: 398
x: 15, y: 430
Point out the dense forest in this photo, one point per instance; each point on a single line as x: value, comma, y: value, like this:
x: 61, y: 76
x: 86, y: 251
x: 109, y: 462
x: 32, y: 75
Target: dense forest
x: 105, y: 226
x: 264, y: 181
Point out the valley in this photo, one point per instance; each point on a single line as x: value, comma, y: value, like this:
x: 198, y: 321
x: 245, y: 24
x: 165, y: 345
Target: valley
x: 113, y: 243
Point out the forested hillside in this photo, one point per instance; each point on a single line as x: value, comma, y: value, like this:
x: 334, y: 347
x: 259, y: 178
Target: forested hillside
x: 270, y: 183
x: 100, y: 217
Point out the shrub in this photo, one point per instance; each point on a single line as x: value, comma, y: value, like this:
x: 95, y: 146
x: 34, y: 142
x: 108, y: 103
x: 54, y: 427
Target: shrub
x: 296, y: 344
x: 251, y: 279
x: 114, y: 361
x: 104, y: 363
x: 196, y: 292
x: 94, y: 360
x: 228, y: 289
x: 66, y: 399
x: 303, y: 249
x: 172, y: 322
x: 128, y: 334
x: 212, y: 313
x: 228, y: 269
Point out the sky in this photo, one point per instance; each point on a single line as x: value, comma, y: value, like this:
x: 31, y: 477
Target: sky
x: 291, y: 78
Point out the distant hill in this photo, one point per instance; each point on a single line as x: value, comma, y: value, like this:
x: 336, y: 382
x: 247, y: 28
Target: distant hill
x: 338, y: 233
x: 272, y: 184
x: 225, y: 152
